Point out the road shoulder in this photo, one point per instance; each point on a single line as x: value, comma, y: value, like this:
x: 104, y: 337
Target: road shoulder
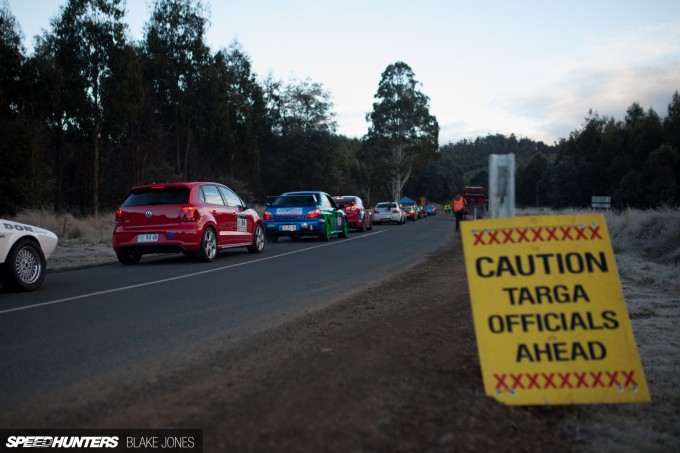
x: 394, y: 367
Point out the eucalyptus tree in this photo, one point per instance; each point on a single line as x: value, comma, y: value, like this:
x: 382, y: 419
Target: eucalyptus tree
x: 245, y: 125
x: 84, y: 37
x: 11, y: 59
x: 305, y: 149
x: 307, y: 106
x: 125, y: 102
x: 645, y: 132
x: 529, y: 175
x: 403, y: 134
x: 659, y: 182
x: 671, y: 124
x: 177, y: 55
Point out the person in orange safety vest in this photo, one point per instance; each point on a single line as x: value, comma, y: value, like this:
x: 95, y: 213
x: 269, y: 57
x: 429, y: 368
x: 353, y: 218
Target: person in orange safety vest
x: 459, y: 204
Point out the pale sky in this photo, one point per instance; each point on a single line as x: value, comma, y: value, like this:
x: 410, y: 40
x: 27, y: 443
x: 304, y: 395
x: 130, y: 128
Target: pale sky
x: 529, y: 67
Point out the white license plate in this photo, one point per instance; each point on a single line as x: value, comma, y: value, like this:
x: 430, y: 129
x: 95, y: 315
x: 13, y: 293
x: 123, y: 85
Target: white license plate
x: 288, y: 228
x: 147, y: 238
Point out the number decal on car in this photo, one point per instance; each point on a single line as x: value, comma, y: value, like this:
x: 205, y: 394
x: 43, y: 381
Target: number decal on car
x: 242, y: 224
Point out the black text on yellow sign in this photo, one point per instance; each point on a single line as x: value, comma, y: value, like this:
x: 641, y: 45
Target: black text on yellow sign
x: 550, y: 318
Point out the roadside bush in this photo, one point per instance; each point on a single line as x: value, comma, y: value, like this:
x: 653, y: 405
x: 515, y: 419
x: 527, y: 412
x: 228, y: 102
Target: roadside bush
x: 89, y: 229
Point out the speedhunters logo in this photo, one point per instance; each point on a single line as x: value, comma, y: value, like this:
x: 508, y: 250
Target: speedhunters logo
x: 109, y: 440
x: 61, y: 442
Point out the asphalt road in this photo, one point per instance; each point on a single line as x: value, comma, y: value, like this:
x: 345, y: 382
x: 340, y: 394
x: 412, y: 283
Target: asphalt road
x: 92, y: 329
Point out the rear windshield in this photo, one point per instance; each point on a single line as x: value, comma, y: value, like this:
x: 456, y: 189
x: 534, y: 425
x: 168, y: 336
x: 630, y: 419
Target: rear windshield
x: 386, y: 205
x: 288, y: 200
x: 344, y: 201
x: 166, y: 195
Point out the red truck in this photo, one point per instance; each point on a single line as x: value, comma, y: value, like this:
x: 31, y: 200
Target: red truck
x: 476, y: 202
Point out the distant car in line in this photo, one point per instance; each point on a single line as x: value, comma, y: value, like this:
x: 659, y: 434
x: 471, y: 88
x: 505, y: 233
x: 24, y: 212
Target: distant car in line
x: 24, y: 250
x: 388, y: 212
x: 431, y: 209
x: 410, y: 212
x: 358, y: 217
x: 307, y: 213
x: 194, y: 218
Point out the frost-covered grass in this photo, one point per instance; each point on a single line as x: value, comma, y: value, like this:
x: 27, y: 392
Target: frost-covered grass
x: 88, y: 229
x: 651, y: 234
x: 84, y: 229
x: 646, y: 244
x: 647, y: 248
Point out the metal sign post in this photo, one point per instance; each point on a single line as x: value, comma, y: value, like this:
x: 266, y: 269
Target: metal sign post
x: 501, y: 185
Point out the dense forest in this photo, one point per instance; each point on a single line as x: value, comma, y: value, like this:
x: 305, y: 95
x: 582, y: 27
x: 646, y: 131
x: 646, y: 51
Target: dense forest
x: 90, y: 113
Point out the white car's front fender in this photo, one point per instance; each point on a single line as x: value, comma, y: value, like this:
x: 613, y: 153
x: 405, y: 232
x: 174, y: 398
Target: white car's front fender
x: 11, y: 232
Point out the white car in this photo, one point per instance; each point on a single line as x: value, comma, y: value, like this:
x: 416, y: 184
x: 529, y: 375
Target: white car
x: 388, y: 211
x: 24, y: 250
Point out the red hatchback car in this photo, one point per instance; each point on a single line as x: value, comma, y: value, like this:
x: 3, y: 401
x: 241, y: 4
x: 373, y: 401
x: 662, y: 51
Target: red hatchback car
x: 197, y: 218
x: 358, y: 216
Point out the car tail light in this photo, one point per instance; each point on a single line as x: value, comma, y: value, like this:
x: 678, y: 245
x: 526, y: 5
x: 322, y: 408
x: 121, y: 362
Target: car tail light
x: 119, y: 217
x: 188, y: 214
x: 268, y: 215
x: 395, y: 212
x: 351, y: 208
x: 314, y: 214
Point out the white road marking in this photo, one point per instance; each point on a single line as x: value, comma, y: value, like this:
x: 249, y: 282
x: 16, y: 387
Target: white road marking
x: 156, y: 282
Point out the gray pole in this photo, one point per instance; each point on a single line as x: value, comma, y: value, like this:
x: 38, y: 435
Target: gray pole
x: 501, y: 185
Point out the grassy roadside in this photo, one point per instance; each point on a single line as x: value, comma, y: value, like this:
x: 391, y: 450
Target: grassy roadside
x: 647, y: 248
x: 652, y: 234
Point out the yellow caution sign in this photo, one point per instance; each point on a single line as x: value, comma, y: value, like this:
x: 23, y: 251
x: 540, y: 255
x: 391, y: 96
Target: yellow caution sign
x: 550, y: 318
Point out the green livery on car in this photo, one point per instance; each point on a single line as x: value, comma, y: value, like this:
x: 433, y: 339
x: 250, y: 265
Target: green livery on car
x: 306, y: 213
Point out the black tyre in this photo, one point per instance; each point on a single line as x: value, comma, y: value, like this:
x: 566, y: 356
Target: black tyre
x: 25, y: 266
x: 258, y: 240
x: 325, y: 236
x: 362, y: 228
x: 345, y: 229
x: 128, y: 257
x: 208, y: 249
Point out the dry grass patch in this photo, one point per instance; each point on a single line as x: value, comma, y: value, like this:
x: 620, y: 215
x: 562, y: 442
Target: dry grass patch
x: 83, y: 241
x: 89, y: 229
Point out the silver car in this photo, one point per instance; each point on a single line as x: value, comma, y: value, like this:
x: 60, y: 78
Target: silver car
x: 388, y: 212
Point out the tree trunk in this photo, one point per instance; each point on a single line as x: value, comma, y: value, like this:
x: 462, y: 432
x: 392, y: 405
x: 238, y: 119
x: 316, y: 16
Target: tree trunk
x: 33, y: 202
x: 95, y: 171
x: 177, y: 146
x: 402, y: 169
x: 185, y: 173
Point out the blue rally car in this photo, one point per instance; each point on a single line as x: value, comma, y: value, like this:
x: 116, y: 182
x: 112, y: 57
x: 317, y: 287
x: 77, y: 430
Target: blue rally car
x: 298, y: 214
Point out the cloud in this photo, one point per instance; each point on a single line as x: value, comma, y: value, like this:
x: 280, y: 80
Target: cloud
x: 642, y: 66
